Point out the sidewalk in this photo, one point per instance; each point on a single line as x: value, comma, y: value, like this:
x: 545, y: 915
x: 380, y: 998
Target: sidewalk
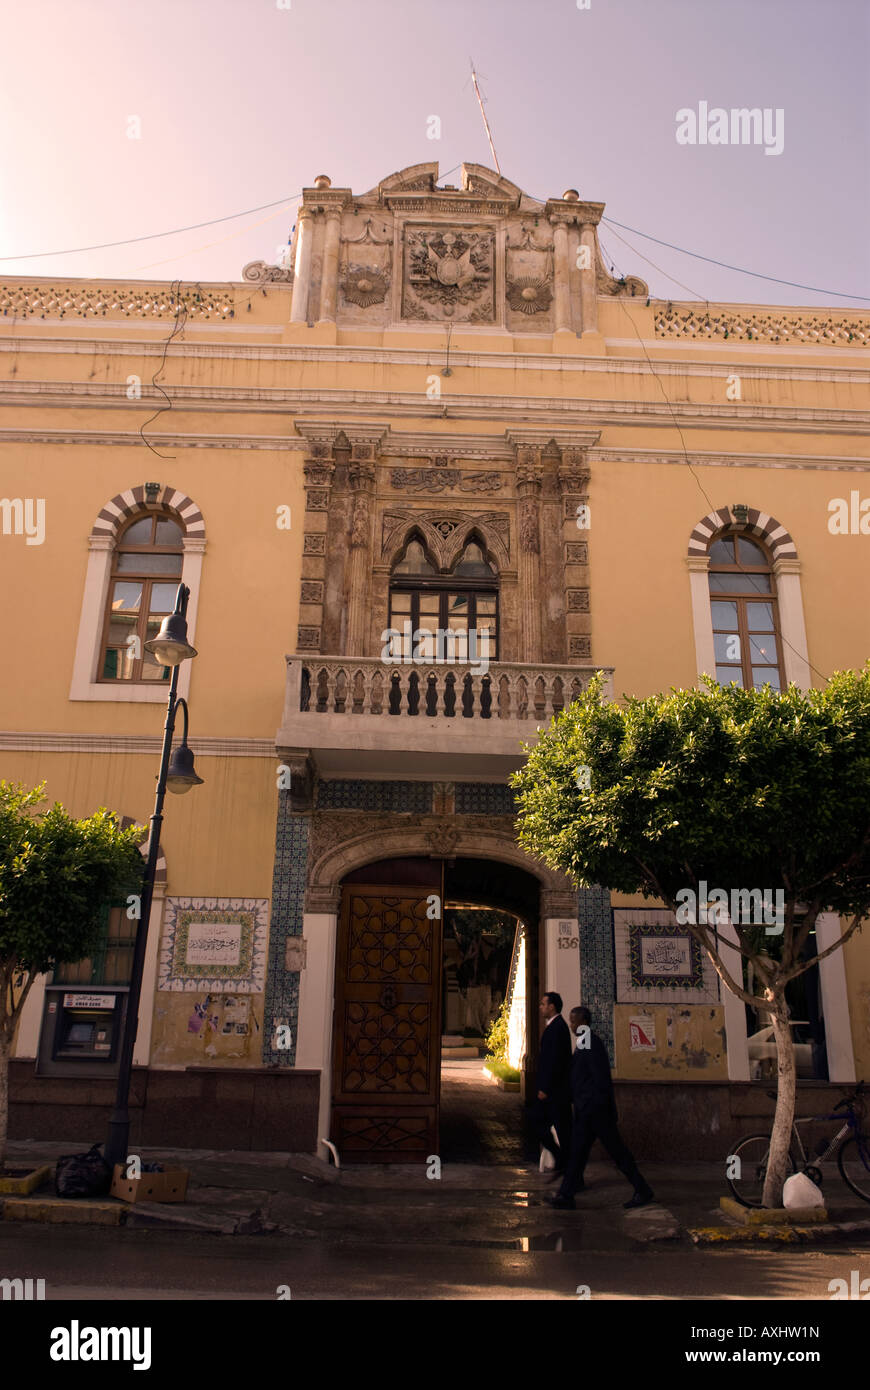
x: 495, y: 1206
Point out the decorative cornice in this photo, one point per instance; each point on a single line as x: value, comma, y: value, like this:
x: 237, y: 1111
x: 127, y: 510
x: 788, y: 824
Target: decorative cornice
x: 538, y: 437
x: 132, y: 439
x: 24, y: 742
x: 839, y: 463
x: 414, y: 356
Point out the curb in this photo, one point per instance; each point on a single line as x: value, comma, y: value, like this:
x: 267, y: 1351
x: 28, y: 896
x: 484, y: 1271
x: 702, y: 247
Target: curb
x: 62, y: 1211
x: 780, y: 1234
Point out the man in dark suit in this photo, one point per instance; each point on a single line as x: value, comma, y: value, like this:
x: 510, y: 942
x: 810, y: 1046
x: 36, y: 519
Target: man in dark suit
x: 553, y: 1103
x: 595, y: 1117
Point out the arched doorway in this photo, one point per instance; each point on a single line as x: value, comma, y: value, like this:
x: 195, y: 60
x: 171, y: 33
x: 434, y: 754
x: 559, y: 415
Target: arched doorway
x: 389, y: 996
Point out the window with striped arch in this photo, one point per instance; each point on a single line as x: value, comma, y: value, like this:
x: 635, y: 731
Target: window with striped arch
x: 146, y: 573
x: 743, y: 606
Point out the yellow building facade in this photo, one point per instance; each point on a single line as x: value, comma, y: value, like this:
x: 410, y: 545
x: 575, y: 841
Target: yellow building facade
x: 442, y: 415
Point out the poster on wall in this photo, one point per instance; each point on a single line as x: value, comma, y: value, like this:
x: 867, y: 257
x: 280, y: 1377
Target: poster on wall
x: 642, y: 1033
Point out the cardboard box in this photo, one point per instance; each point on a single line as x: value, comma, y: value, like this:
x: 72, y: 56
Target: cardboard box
x: 169, y: 1186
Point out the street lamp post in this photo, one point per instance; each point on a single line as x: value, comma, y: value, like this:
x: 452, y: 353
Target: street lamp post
x: 171, y: 647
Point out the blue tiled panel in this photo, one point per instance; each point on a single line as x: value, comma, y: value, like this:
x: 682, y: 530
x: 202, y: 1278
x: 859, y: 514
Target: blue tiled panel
x: 341, y: 795
x: 595, y: 921
x: 288, y: 900
x: 484, y: 799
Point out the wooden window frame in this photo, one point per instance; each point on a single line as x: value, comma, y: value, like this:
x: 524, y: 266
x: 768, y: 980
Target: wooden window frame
x: 97, y: 959
x: 444, y: 584
x: 743, y: 600
x: 147, y: 580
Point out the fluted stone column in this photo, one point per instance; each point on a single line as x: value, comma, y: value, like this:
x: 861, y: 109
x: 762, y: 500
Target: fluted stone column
x: 329, y: 276
x: 529, y: 552
x: 302, y: 269
x: 561, y: 272
x: 362, y: 481
x: 588, y: 289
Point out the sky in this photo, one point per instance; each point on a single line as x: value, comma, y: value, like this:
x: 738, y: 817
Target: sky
x: 124, y: 120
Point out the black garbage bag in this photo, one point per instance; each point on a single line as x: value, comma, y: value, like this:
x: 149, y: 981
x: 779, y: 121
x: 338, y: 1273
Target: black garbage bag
x: 82, y: 1175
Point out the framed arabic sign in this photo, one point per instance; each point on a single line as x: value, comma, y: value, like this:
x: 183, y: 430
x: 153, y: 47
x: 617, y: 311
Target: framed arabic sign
x: 663, y: 957
x: 214, y: 944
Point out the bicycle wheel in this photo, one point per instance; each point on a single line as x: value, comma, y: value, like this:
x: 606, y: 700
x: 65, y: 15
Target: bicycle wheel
x: 746, y: 1178
x: 855, y: 1168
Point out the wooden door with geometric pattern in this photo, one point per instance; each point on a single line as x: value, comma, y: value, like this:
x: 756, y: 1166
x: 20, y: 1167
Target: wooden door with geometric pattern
x: 387, y: 1025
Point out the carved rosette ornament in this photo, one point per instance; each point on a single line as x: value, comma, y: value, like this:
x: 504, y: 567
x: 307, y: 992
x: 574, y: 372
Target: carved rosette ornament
x: 530, y: 294
x: 364, y: 287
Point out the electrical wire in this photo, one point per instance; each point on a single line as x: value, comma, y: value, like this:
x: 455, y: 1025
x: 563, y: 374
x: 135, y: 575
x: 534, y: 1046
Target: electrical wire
x: 794, y: 284
x: 292, y: 197
x: 153, y: 236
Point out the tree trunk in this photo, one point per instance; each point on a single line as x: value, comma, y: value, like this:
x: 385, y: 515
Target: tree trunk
x: 780, y: 1139
x: 5, y: 1050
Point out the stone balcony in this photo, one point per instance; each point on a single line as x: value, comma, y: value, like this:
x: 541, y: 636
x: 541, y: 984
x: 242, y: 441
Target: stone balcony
x: 364, y: 717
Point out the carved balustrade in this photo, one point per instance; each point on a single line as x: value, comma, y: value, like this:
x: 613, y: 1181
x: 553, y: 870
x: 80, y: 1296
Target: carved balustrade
x: 505, y: 691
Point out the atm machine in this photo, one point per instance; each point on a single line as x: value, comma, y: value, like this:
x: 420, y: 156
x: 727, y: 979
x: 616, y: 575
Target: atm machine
x: 88, y: 1027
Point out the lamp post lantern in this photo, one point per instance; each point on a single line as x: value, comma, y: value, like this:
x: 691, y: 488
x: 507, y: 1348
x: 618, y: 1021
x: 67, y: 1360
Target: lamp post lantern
x: 171, y: 647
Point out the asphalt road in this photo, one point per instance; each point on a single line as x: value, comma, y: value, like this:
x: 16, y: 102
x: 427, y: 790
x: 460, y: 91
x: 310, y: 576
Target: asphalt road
x: 111, y: 1264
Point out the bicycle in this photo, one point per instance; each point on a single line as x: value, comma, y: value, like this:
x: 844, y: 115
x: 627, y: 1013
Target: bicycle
x: 850, y: 1143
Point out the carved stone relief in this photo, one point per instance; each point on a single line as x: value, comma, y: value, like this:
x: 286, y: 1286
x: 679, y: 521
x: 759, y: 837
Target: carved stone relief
x: 444, y: 533
x: 365, y: 273
x: 528, y: 274
x: 578, y: 600
x: 449, y: 274
x: 434, y: 480
x: 529, y: 534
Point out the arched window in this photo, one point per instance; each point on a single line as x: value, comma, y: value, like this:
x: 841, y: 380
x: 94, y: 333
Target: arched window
x: 146, y: 573
x: 743, y: 606
x: 465, y: 599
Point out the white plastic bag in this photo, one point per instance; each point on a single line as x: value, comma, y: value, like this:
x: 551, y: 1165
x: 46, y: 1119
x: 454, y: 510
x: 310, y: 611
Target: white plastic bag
x: 547, y: 1159
x: 801, y: 1191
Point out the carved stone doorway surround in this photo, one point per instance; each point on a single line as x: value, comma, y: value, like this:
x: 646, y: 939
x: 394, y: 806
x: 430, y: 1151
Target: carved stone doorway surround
x: 345, y: 841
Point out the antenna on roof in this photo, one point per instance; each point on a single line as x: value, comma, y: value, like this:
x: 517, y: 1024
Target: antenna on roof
x: 483, y: 114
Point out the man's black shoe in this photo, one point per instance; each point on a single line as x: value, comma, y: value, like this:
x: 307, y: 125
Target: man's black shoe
x: 564, y: 1203
x: 640, y: 1199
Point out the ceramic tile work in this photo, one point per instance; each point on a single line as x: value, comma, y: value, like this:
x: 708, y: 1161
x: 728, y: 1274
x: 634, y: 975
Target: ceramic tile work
x: 355, y: 795
x: 288, y: 897
x: 626, y: 922
x: 483, y: 799
x: 598, y: 980
x: 214, y: 944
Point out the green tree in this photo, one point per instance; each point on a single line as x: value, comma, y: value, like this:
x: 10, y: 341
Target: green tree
x: 740, y: 789
x: 56, y: 874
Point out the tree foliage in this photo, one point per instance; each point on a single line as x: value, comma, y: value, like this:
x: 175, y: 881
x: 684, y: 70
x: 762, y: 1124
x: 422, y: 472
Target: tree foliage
x: 738, y: 789
x: 56, y: 874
